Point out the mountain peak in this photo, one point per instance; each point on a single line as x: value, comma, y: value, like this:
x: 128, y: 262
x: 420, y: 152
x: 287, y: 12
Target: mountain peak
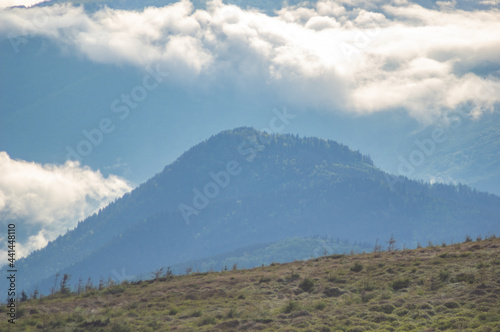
x: 247, y: 143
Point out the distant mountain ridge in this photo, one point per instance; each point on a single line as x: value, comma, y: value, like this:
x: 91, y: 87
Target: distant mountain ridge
x: 468, y: 153
x: 277, y: 187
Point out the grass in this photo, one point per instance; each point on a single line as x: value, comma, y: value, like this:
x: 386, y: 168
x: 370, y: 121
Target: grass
x: 400, y: 284
x: 439, y: 288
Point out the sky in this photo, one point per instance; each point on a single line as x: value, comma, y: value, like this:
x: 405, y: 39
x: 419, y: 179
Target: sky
x: 348, y: 56
x: 26, y: 3
x: 377, y: 57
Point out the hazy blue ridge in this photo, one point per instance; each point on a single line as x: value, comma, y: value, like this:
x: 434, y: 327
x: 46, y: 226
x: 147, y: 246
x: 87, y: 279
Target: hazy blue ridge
x: 285, y: 187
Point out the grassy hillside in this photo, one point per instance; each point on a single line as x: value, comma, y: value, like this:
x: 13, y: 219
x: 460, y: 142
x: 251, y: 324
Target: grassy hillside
x: 285, y: 251
x: 436, y: 288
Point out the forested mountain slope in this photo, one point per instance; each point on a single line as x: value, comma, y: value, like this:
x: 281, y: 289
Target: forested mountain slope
x: 243, y: 187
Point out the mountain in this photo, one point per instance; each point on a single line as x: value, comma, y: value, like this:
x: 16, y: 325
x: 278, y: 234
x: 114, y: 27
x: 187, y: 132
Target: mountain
x: 467, y: 153
x: 244, y: 187
x: 437, y: 288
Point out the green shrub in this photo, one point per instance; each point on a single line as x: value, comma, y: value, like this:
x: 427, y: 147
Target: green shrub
x: 444, y: 275
x: 400, y: 284
x: 207, y: 321
x: 264, y: 279
x: 385, y: 308
x: 482, y: 265
x: 465, y: 277
x: 320, y: 306
x: 425, y: 306
x: 336, y: 256
x: 291, y: 306
x: 336, y: 279
x: 20, y: 312
x: 133, y: 305
x: 117, y: 327
x: 357, y: 267
x: 232, y: 313
x: 293, y: 277
x: 368, y: 287
x: 401, y: 312
x: 116, y: 289
x: 367, y: 297
x: 307, y: 285
x: 196, y: 313
x: 333, y: 292
x: 451, y: 305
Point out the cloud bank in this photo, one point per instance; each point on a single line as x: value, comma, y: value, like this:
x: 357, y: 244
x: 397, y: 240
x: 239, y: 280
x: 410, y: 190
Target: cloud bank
x: 26, y: 3
x: 45, y: 201
x: 352, y: 56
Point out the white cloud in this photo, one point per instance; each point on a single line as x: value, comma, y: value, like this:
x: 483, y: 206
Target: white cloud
x: 352, y: 55
x: 26, y: 3
x: 490, y: 2
x: 46, y: 200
